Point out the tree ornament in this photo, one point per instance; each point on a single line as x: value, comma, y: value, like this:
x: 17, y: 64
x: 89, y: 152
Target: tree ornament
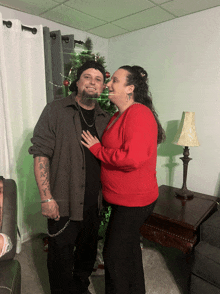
x: 66, y: 83
x: 107, y: 74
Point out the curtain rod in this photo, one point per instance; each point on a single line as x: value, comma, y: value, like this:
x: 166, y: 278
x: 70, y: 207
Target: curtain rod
x: 65, y: 38
x: 34, y: 31
x: 79, y: 42
x: 9, y: 25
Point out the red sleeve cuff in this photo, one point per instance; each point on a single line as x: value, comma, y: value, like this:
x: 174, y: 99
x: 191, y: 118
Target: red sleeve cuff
x: 95, y: 148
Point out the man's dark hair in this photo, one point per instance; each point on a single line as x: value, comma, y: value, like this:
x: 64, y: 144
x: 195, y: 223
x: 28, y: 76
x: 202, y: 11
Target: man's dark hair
x: 88, y: 64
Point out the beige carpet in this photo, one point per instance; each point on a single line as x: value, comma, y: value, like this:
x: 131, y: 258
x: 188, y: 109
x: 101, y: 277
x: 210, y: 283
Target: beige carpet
x: 166, y: 270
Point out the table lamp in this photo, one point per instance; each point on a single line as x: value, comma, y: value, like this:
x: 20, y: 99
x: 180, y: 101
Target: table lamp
x: 186, y: 136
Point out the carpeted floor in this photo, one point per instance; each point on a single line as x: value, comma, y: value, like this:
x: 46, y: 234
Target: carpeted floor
x: 166, y: 269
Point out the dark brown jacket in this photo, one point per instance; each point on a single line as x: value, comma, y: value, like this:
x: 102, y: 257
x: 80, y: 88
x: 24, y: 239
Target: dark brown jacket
x: 57, y: 135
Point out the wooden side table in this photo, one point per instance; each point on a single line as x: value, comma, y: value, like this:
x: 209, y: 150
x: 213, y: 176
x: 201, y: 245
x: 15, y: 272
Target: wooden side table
x: 175, y: 222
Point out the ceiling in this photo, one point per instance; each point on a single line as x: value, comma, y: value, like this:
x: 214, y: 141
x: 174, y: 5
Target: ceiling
x: 110, y: 18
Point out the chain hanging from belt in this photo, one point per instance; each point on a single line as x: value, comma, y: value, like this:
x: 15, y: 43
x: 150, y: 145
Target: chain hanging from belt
x: 60, y: 231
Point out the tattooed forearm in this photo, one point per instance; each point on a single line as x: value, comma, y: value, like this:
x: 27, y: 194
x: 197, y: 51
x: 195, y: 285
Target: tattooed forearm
x: 42, y: 175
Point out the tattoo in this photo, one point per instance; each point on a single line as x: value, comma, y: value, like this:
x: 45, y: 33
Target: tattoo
x: 43, y: 181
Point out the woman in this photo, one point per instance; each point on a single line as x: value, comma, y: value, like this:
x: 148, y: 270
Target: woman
x: 128, y: 153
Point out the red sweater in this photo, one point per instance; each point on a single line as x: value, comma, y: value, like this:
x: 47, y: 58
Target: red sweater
x: 128, y: 153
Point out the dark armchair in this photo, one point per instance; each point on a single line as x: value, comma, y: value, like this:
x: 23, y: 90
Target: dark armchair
x: 10, y: 269
x: 205, y: 274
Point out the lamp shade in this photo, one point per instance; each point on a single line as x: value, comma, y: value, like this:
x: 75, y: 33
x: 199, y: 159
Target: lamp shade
x: 186, y: 134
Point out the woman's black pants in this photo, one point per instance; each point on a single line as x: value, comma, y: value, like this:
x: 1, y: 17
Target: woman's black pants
x: 122, y: 252
x: 69, y: 270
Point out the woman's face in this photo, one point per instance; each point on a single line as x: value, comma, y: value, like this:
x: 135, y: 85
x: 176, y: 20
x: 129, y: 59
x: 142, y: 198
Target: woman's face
x: 118, y: 90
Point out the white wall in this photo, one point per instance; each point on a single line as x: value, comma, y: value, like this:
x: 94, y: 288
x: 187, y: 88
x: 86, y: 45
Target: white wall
x: 182, y: 58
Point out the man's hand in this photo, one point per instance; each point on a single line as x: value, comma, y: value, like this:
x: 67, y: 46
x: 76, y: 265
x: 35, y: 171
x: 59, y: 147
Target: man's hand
x: 50, y: 210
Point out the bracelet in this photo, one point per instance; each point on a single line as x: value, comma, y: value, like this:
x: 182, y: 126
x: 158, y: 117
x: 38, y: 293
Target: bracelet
x: 48, y: 200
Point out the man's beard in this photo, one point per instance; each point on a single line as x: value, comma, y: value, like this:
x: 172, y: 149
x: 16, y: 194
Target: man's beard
x: 88, y: 99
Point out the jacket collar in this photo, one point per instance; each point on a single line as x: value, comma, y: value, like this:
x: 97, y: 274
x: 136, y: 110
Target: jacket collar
x: 71, y: 101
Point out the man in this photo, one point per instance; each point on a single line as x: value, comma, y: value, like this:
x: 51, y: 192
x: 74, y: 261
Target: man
x: 68, y: 178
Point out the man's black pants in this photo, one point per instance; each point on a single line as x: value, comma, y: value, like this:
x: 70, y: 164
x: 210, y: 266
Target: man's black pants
x: 69, y: 270
x: 122, y: 252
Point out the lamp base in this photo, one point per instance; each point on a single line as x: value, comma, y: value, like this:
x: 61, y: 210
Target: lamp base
x: 184, y: 194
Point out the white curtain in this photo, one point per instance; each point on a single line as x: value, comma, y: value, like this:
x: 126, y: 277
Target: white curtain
x: 22, y: 99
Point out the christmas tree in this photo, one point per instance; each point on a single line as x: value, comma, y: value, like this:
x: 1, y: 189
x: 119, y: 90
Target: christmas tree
x: 77, y: 60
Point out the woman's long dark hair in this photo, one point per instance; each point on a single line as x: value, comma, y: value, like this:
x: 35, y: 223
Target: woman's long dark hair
x: 139, y: 78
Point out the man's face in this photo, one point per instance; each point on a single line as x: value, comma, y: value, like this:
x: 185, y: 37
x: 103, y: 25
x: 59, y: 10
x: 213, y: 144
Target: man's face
x: 90, y: 85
